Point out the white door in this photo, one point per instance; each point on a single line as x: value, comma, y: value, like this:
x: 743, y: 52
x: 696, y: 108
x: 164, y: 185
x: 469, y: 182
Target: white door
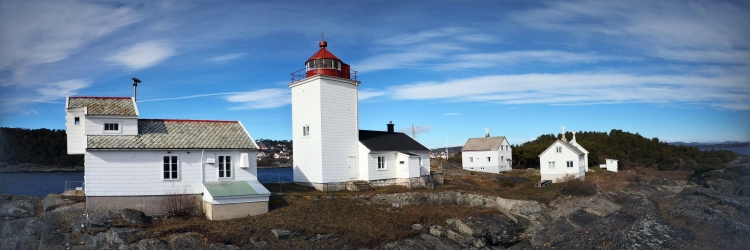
x: 352, y: 167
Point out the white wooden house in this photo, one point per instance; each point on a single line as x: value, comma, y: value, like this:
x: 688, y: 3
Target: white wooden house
x: 138, y: 163
x: 487, y: 154
x: 329, y: 149
x: 560, y: 159
x: 611, y: 165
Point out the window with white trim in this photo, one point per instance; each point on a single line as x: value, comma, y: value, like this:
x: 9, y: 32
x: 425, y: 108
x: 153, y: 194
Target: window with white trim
x: 471, y: 159
x: 401, y: 162
x: 558, y: 149
x: 420, y: 160
x: 111, y: 127
x: 225, y: 166
x: 171, y: 170
x: 502, y: 158
x: 381, y: 162
x: 306, y: 130
x: 570, y: 164
x: 77, y: 120
x: 551, y: 164
x: 489, y: 159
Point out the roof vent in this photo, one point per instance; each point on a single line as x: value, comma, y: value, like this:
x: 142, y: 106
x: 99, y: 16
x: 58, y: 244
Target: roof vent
x: 390, y: 127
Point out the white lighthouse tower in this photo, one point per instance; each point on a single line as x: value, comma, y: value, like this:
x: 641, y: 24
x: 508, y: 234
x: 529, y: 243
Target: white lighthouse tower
x: 324, y: 121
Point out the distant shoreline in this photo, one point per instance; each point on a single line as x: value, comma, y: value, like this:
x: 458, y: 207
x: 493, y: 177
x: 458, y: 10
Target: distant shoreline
x: 273, y: 167
x: 34, y: 168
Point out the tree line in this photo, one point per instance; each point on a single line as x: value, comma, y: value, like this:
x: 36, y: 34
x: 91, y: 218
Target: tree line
x: 630, y: 149
x: 39, y: 146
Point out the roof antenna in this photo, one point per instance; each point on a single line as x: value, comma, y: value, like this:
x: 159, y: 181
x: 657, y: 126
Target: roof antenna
x: 136, y: 81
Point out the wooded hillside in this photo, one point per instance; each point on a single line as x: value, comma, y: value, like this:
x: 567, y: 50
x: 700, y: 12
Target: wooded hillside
x: 630, y: 149
x: 39, y: 146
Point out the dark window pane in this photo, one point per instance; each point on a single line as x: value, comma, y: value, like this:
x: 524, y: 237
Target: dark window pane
x: 221, y: 173
x: 166, y: 175
x: 174, y: 167
x: 166, y: 167
x: 229, y: 165
x: 174, y: 159
x: 221, y: 159
x: 174, y: 175
x: 229, y: 159
x: 116, y: 126
x: 221, y: 167
x: 166, y: 159
x: 229, y: 173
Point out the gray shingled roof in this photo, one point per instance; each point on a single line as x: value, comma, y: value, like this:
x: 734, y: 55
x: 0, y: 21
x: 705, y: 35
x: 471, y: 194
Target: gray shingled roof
x: 178, y: 134
x: 104, y: 105
x: 567, y: 145
x: 483, y: 144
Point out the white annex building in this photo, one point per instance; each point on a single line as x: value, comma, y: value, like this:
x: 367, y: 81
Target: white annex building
x: 137, y: 163
x: 487, y: 154
x: 563, y: 158
x: 330, y: 152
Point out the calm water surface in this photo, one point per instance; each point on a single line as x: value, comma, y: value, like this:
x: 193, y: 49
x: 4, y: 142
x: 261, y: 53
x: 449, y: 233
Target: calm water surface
x: 43, y: 183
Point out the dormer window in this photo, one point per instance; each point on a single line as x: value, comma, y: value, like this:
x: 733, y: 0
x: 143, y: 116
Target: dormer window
x: 558, y: 149
x: 112, y: 128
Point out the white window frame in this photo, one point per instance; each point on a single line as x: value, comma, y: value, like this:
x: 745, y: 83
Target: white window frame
x: 551, y: 165
x: 401, y: 162
x: 177, y: 164
x: 502, y: 158
x: 306, y: 130
x: 569, y: 164
x: 382, y: 162
x: 76, y: 120
x: 489, y: 159
x: 420, y: 161
x: 471, y: 159
x: 219, y: 165
x: 558, y: 149
x: 104, y: 127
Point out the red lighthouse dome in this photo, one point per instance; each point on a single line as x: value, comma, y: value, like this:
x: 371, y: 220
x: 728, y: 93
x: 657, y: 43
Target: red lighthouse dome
x: 325, y: 63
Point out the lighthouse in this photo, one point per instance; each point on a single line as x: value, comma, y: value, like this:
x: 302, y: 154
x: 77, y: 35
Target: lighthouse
x: 325, y: 122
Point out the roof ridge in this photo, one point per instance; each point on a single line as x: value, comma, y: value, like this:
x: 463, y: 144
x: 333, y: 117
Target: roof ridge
x: 102, y: 97
x: 187, y: 120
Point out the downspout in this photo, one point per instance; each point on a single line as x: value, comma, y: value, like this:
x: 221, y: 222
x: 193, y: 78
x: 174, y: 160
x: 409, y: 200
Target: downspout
x: 203, y: 168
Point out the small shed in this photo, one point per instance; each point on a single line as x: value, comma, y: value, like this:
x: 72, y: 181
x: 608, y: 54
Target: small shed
x: 611, y: 165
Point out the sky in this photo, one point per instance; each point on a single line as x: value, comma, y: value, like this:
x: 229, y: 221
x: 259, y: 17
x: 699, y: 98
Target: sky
x: 676, y: 70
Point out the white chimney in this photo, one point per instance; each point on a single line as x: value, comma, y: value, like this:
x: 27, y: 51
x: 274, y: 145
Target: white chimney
x: 486, y: 132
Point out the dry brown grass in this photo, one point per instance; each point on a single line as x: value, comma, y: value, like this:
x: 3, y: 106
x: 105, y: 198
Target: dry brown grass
x: 354, y: 224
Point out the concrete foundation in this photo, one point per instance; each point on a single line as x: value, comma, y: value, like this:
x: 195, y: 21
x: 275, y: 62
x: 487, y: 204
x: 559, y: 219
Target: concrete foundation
x: 148, y: 204
x: 232, y: 211
x: 340, y: 186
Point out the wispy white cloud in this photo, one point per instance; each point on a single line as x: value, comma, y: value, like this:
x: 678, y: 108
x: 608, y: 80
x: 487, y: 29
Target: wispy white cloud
x: 485, y: 60
x: 365, y: 94
x: 189, y: 97
x: 30, y: 111
x: 584, y: 88
x: 452, y: 114
x: 261, y: 99
x: 225, y: 58
x: 37, y: 32
x: 62, y: 89
x: 143, y: 55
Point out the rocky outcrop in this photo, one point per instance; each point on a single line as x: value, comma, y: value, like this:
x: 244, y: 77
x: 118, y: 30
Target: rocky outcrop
x: 479, y: 232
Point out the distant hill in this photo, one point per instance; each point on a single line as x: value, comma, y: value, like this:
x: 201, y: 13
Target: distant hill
x: 734, y: 146
x: 451, y: 150
x: 630, y: 149
x: 36, y: 146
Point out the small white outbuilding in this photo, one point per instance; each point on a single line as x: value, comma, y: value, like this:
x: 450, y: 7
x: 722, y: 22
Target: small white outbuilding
x: 611, y: 165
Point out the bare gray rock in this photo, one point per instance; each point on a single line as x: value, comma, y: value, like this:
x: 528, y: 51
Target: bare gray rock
x: 15, y: 209
x: 147, y: 244
x: 135, y: 216
x: 53, y: 201
x: 194, y: 241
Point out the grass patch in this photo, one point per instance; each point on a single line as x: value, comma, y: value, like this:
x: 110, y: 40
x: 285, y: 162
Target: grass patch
x: 354, y: 224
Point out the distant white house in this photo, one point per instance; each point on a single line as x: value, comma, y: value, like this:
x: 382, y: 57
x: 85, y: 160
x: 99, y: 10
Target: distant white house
x: 138, y: 163
x: 487, y: 154
x: 330, y: 151
x: 611, y: 165
x: 560, y: 159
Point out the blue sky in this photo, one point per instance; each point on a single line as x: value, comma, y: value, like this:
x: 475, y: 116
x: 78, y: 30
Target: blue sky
x: 676, y: 70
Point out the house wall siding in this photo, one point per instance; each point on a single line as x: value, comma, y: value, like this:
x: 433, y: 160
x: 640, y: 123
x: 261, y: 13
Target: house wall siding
x: 137, y: 173
x: 76, y: 134
x: 95, y: 125
x: 306, y: 110
x: 340, y: 129
x: 498, y: 162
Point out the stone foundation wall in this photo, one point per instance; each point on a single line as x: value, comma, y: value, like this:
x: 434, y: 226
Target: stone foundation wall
x: 232, y: 211
x: 148, y: 204
x: 340, y: 186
